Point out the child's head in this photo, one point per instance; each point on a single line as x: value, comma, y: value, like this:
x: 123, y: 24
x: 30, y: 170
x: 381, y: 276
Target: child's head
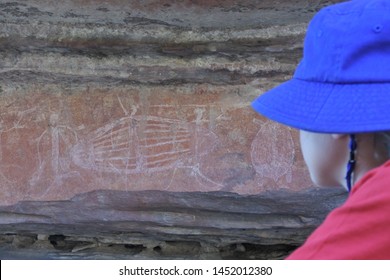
x: 340, y: 92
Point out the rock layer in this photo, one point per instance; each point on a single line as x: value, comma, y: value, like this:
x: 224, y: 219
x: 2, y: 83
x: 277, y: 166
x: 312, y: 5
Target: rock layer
x: 158, y: 224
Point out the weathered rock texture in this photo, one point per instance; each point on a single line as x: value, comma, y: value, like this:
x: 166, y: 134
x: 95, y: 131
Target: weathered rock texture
x: 157, y: 224
x: 107, y: 100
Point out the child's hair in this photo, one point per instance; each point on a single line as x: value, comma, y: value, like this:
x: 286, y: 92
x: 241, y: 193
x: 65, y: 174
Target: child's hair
x: 382, y: 140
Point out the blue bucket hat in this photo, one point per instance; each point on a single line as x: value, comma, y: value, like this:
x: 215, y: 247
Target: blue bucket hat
x: 342, y: 84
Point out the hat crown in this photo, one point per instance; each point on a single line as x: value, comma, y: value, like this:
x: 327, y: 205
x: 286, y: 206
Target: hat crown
x: 348, y: 43
x: 342, y: 84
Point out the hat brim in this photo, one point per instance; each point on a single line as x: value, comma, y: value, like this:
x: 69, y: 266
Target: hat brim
x: 328, y: 107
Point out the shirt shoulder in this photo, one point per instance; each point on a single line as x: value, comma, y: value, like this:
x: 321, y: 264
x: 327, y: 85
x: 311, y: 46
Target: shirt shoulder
x: 360, y: 228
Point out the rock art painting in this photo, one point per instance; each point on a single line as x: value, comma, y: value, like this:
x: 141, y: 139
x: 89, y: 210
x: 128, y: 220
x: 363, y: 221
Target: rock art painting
x: 273, y: 152
x: 54, y: 150
x: 144, y: 144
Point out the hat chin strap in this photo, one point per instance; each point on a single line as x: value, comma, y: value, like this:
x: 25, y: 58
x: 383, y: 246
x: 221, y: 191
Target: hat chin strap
x: 351, y: 162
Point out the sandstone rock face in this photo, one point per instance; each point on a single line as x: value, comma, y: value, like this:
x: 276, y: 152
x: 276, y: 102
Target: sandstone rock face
x: 160, y: 224
x: 148, y: 99
x: 171, y: 138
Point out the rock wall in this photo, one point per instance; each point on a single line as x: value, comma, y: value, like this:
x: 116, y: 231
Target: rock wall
x: 126, y: 130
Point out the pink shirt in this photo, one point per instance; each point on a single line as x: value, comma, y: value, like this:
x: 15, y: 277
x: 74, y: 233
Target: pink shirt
x: 360, y: 228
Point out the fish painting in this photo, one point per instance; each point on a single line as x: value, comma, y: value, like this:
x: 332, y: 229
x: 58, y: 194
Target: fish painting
x: 144, y: 144
x: 273, y: 152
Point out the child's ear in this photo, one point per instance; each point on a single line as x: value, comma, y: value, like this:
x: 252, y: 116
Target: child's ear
x: 339, y: 136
